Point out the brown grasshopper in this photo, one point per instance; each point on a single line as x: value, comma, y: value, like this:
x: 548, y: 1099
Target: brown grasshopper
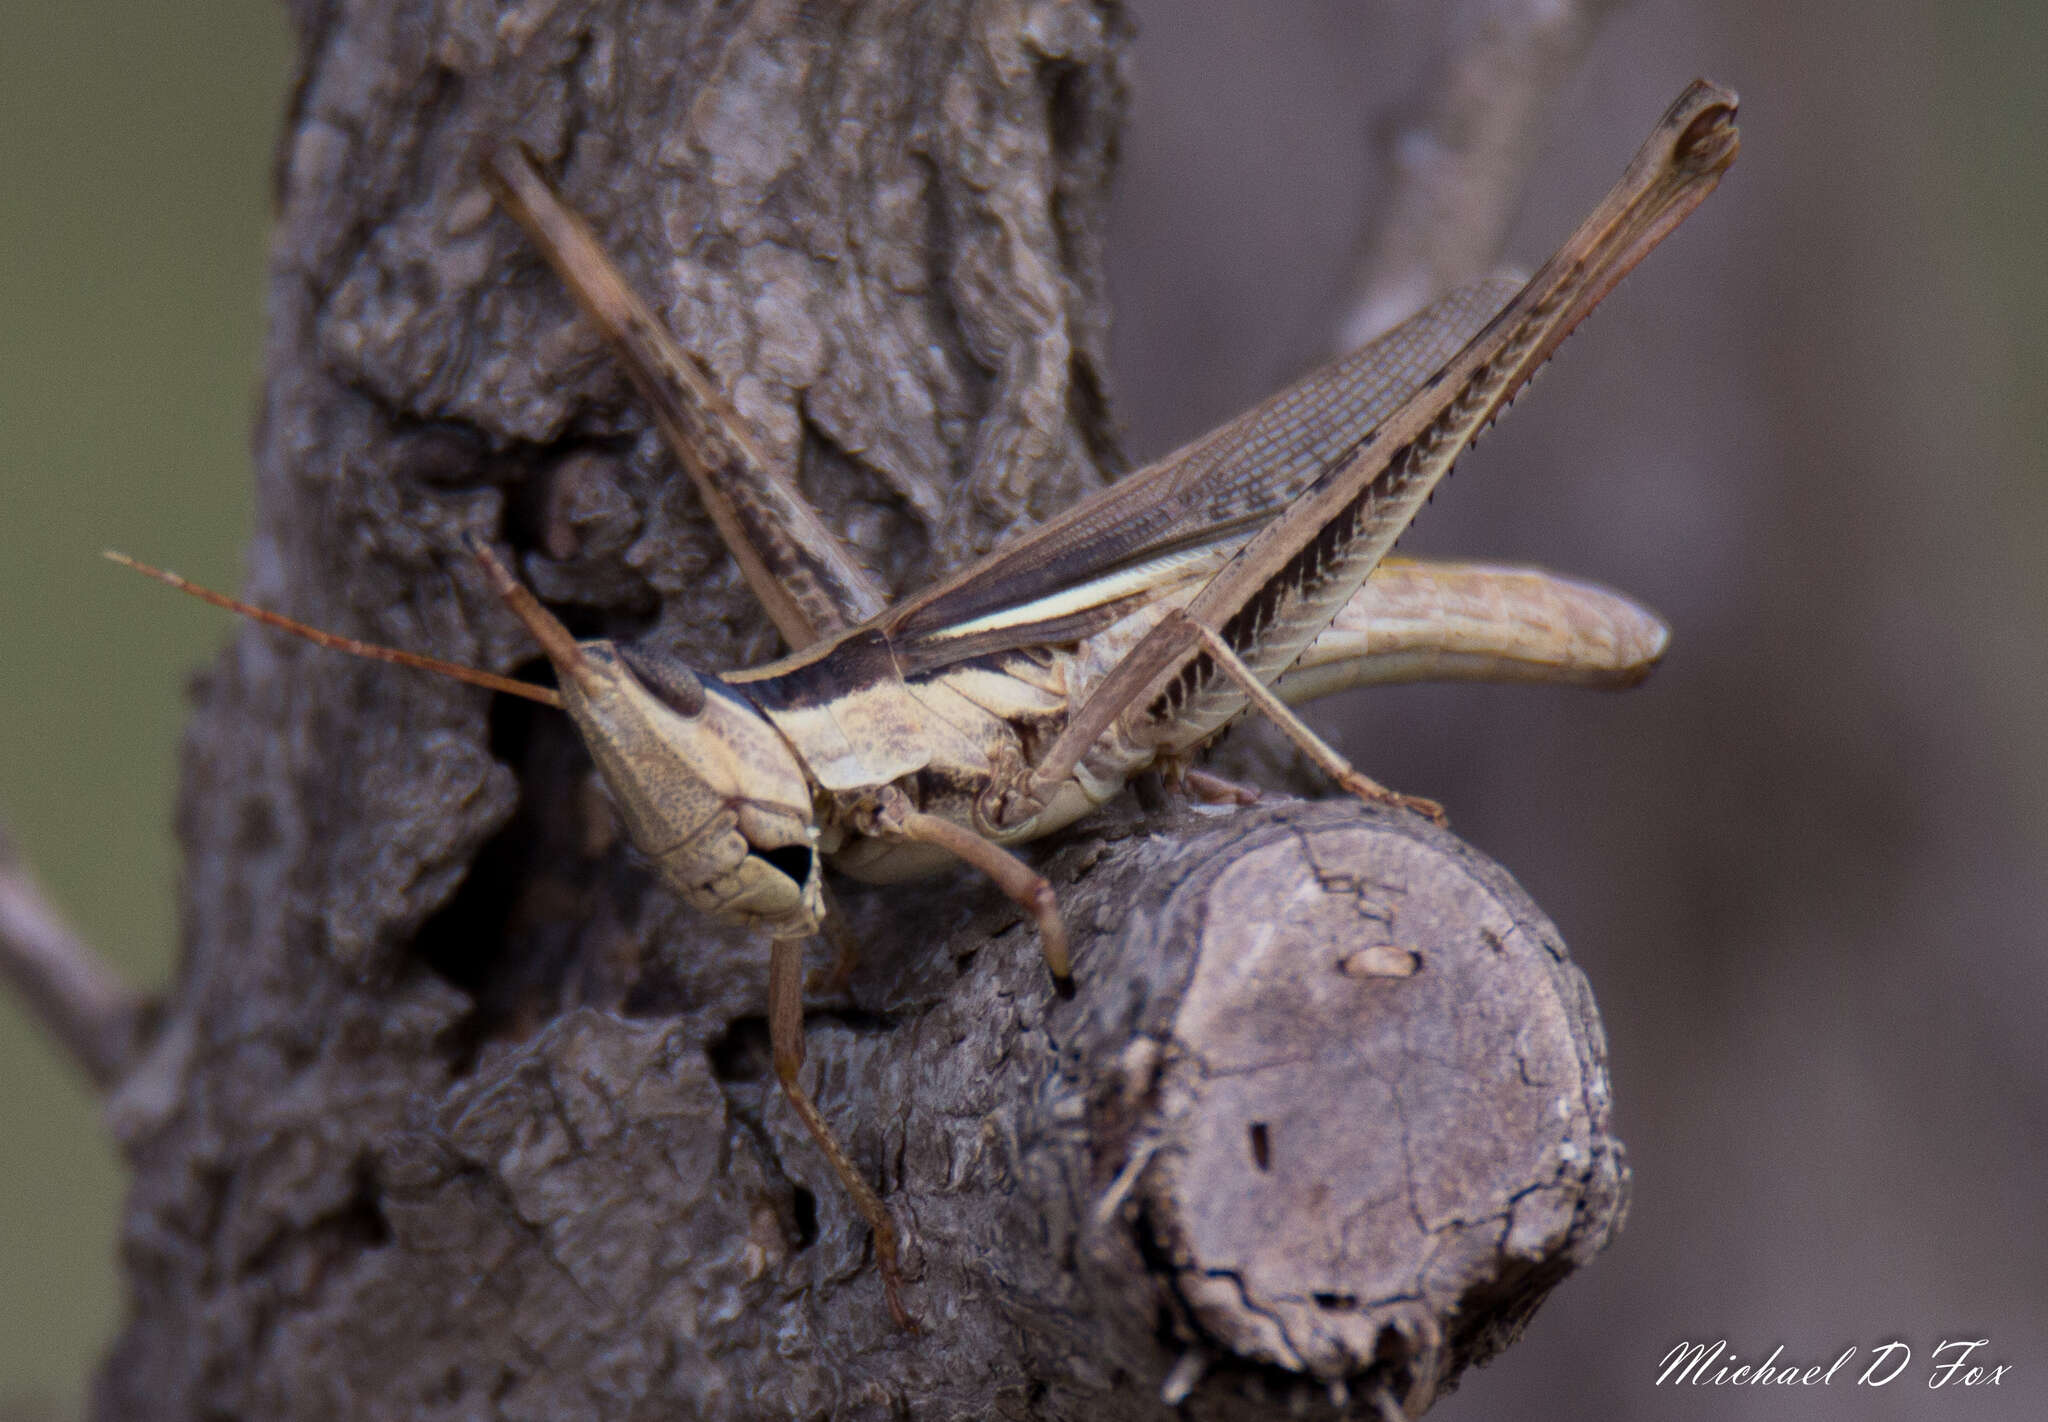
x: 1246, y: 570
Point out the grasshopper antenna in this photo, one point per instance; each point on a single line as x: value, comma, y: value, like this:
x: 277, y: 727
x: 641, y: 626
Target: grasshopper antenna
x: 547, y: 629
x: 511, y: 686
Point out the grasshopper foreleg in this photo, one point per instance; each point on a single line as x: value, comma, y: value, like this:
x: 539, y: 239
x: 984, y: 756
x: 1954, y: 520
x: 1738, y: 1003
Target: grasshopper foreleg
x: 786, y: 1039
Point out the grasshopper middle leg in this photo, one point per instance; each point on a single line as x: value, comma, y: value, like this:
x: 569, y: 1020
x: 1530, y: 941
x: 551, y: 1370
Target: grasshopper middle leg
x: 1026, y: 887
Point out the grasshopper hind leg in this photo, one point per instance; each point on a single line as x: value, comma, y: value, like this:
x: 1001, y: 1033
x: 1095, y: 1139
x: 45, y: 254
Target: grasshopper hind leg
x: 1312, y: 745
x: 786, y: 1038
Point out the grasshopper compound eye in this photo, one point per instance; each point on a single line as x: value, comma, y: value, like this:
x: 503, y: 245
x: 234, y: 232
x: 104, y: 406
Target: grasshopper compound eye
x: 680, y: 689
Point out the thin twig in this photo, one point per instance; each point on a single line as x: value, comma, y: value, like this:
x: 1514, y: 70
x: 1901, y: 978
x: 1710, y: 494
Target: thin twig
x: 75, y: 995
x: 1459, y: 154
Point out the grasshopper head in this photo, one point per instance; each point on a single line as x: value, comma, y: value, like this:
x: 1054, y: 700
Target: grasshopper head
x: 709, y: 790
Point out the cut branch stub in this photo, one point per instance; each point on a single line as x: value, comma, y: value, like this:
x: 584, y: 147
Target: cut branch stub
x: 1374, y: 1122
x: 1327, y: 1112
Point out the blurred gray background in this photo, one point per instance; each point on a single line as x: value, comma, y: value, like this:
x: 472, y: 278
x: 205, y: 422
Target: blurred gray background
x: 1801, y: 866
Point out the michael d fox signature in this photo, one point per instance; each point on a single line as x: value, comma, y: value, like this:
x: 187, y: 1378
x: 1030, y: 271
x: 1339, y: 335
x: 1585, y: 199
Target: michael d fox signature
x: 1958, y: 1363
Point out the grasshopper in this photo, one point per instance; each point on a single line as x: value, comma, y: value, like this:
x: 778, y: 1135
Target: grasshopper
x: 1247, y: 570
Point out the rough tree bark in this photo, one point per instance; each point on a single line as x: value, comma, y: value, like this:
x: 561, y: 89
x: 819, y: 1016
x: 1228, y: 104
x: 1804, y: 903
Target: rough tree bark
x: 453, y: 1112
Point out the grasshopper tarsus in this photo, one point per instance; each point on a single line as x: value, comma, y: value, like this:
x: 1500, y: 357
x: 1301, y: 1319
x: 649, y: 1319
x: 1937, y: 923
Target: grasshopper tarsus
x: 1213, y: 789
x: 892, y: 1295
x: 1052, y: 935
x: 786, y: 1045
x: 1374, y: 793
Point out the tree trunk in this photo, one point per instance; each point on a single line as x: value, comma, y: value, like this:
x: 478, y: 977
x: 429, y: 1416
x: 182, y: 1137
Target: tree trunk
x: 455, y: 1112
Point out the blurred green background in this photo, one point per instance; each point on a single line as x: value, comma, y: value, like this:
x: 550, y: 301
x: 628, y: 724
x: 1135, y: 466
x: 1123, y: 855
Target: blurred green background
x: 134, y: 183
